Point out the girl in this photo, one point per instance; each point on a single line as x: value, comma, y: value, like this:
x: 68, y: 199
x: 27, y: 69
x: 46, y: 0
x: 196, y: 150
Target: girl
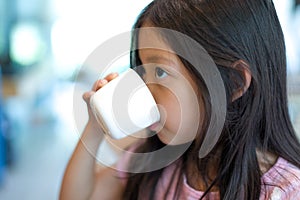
x: 257, y: 155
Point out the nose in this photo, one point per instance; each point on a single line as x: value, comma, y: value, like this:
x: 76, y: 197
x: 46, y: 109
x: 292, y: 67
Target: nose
x: 148, y: 77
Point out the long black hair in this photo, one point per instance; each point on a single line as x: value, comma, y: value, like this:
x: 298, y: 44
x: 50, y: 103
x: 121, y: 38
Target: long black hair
x: 230, y: 30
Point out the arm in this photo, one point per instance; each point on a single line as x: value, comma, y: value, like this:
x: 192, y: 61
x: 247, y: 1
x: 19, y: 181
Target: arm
x: 80, y: 180
x: 108, y: 185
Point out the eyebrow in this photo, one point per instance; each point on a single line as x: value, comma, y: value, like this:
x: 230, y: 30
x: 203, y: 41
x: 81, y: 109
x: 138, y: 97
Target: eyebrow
x: 156, y: 58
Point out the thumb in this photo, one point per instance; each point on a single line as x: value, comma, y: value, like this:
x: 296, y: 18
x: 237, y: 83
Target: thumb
x: 87, y: 96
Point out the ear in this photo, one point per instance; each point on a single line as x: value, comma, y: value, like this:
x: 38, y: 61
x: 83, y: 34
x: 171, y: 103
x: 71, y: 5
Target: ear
x: 243, y: 68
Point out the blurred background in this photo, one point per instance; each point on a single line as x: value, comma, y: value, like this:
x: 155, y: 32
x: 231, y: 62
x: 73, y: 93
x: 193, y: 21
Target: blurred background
x: 43, y: 43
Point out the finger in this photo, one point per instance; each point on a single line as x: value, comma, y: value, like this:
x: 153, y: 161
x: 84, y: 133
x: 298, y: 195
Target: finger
x: 111, y: 76
x: 87, y: 96
x: 99, y: 84
x: 95, y: 85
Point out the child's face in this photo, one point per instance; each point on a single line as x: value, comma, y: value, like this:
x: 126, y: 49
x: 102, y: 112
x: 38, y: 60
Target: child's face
x: 174, y: 89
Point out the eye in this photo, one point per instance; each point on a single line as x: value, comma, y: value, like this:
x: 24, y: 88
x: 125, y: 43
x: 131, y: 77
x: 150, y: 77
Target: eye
x: 160, y: 73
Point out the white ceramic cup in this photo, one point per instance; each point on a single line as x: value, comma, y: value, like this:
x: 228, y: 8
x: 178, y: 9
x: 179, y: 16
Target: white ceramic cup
x: 124, y: 105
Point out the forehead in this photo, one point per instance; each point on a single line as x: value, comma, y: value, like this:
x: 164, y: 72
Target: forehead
x: 149, y: 38
x: 153, y: 49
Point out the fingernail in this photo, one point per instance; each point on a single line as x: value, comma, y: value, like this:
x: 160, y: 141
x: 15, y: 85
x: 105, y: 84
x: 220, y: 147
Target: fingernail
x: 103, y: 81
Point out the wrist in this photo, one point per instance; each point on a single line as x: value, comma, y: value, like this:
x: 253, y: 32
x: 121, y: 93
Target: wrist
x: 92, y: 135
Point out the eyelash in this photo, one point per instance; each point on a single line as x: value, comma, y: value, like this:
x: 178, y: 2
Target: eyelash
x: 159, y: 70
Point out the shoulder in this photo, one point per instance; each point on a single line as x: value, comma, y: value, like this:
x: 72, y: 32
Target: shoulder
x: 282, y: 181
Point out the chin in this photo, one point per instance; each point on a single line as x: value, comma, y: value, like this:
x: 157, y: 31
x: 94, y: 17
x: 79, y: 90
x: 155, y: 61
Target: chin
x: 172, y: 141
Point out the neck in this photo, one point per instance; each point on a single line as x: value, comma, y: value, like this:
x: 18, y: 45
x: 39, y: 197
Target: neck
x: 194, y: 178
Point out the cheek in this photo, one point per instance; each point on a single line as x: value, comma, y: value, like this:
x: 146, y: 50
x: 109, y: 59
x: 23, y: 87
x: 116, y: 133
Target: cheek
x: 170, y: 111
x: 190, y: 117
x: 181, y: 114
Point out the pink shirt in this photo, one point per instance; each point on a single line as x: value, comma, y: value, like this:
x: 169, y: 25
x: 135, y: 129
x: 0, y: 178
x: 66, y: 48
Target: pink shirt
x: 280, y: 182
